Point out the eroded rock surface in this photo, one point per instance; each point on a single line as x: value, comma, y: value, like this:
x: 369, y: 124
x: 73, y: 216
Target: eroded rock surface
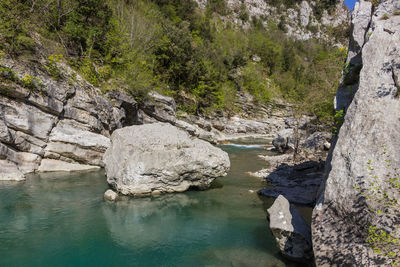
x: 10, y: 171
x: 64, y: 124
x: 360, y: 23
x: 160, y: 108
x: 369, y: 138
x: 160, y: 157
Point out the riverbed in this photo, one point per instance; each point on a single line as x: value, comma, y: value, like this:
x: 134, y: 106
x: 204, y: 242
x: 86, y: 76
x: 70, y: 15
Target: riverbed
x: 63, y: 220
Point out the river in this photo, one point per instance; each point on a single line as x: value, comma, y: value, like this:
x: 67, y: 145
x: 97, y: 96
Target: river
x: 63, y: 220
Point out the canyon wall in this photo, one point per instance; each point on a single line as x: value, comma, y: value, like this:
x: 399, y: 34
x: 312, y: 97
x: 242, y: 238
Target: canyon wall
x: 363, y: 165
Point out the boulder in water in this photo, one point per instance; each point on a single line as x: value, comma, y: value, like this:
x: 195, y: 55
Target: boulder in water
x: 292, y: 233
x: 160, y: 157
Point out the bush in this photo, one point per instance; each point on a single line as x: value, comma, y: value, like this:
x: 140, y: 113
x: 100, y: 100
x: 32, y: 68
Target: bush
x: 218, y: 6
x: 15, y: 27
x: 51, y: 66
x: 243, y: 13
x: 255, y: 82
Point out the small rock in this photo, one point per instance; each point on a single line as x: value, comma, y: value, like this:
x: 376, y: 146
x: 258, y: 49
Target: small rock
x: 317, y: 141
x: 156, y: 193
x: 327, y: 145
x: 283, y: 140
x: 256, y: 58
x: 110, y: 195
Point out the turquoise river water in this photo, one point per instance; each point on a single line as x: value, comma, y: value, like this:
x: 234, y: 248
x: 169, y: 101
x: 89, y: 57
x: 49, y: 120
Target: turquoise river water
x: 63, y: 220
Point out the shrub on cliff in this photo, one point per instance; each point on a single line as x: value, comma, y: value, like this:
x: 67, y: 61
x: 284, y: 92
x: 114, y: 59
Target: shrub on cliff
x: 172, y: 46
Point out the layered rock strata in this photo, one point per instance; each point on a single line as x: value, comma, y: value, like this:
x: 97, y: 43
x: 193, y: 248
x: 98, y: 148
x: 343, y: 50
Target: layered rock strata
x: 55, y: 124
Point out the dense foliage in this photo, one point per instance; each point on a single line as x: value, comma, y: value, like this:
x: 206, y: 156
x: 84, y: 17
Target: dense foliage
x: 174, y: 47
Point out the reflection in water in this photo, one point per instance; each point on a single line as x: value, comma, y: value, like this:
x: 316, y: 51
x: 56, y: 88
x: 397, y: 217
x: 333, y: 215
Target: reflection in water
x: 145, y: 221
x: 63, y: 220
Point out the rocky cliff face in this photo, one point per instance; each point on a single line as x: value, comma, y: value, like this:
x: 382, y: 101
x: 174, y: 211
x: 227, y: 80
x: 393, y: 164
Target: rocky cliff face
x: 303, y: 20
x: 61, y: 122
x: 50, y: 124
x: 366, y: 152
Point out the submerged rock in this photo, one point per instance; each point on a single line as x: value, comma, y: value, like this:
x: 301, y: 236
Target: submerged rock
x: 160, y: 157
x: 292, y: 233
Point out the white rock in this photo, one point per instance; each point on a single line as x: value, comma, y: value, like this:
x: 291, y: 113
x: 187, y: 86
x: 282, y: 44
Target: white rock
x: 305, y: 12
x: 161, y: 157
x: 10, y: 172
x: 110, y: 195
x: 21, y: 117
x: 68, y: 131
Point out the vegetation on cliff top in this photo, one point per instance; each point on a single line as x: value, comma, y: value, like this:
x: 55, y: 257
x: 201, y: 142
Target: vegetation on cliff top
x: 174, y: 47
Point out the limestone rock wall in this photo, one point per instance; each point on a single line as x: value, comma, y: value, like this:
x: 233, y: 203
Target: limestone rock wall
x: 64, y: 123
x: 366, y: 150
x: 64, y: 120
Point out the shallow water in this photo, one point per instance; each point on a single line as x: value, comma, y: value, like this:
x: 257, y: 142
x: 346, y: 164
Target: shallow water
x: 62, y: 220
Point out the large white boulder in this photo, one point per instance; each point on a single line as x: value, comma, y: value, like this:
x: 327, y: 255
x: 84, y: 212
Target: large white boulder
x: 161, y: 158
